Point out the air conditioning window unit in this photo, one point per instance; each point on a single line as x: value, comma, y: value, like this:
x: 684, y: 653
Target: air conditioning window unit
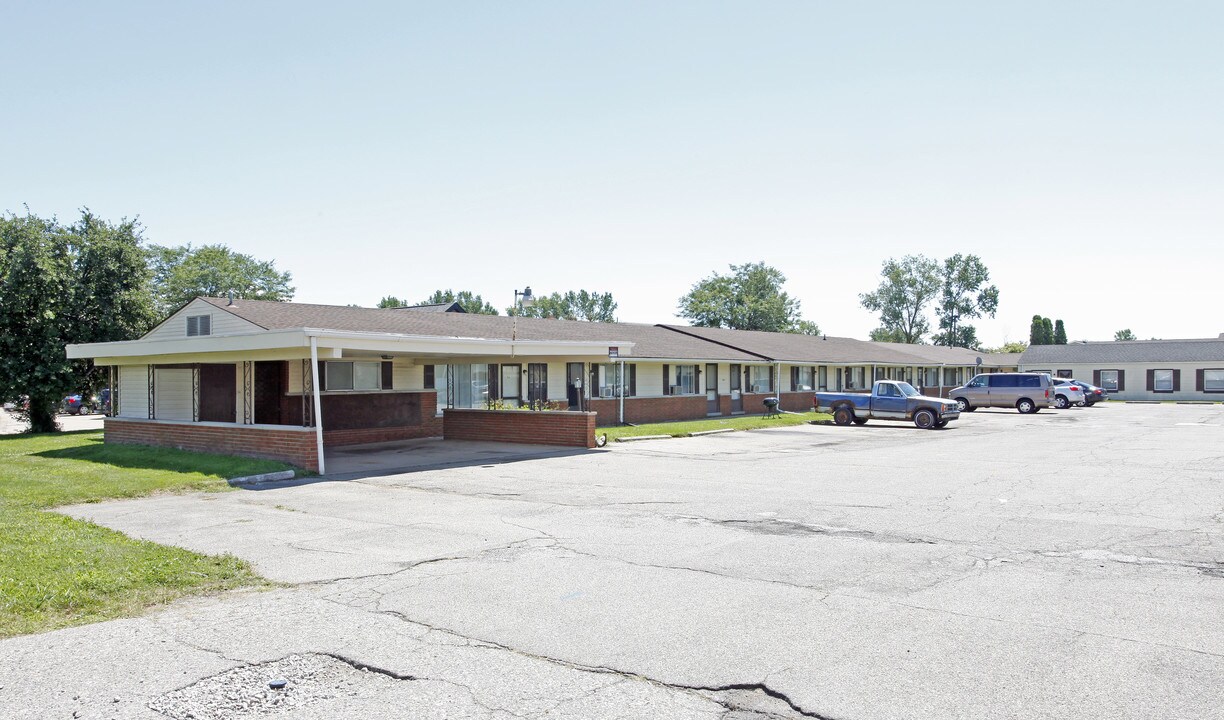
x: 760, y: 388
x: 677, y: 389
x: 606, y: 392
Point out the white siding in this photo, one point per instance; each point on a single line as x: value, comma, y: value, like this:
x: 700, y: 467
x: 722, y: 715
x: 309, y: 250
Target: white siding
x: 649, y: 379
x: 172, y: 394
x: 557, y: 389
x: 223, y: 323
x: 134, y: 391
x: 1136, y: 378
x: 407, y: 377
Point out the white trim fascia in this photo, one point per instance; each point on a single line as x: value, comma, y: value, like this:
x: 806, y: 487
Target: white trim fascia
x: 335, y: 341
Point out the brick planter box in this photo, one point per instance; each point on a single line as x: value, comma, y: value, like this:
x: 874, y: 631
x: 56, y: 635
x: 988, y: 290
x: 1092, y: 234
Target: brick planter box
x: 575, y: 429
x: 650, y: 409
x: 294, y: 445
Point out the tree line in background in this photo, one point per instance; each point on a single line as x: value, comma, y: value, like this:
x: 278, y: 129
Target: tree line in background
x: 572, y: 305
x: 750, y: 297
x: 1044, y: 332
x: 957, y: 289
x: 96, y: 281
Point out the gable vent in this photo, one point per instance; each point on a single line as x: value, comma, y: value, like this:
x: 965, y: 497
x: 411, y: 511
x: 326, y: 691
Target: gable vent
x: 199, y: 325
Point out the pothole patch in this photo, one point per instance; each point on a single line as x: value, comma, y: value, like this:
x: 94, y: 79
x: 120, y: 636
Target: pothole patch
x: 246, y: 692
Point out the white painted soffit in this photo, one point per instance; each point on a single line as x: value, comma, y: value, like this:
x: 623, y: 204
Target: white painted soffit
x: 380, y: 342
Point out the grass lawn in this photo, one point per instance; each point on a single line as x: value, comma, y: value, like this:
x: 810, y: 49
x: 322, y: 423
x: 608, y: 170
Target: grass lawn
x: 740, y: 422
x: 56, y: 571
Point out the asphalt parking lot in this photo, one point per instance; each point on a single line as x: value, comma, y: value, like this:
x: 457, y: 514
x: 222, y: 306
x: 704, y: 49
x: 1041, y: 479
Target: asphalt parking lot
x: 1068, y: 564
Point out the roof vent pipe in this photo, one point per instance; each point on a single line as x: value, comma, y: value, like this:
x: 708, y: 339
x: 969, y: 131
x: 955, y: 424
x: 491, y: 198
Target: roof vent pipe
x: 230, y: 294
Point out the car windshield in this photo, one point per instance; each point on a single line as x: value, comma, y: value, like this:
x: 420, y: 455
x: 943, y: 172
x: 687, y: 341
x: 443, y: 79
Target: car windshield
x: 907, y: 390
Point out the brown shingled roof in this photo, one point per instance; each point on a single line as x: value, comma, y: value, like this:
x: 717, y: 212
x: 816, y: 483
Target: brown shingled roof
x: 649, y: 341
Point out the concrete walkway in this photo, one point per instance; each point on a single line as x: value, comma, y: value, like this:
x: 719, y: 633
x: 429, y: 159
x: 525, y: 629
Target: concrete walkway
x: 407, y: 456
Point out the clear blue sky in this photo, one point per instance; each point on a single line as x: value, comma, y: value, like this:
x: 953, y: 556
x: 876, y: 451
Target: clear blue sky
x: 397, y: 148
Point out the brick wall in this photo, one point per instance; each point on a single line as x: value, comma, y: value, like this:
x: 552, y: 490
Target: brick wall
x: 688, y: 407
x: 651, y: 409
x: 800, y: 401
x: 293, y: 445
x: 428, y: 425
x: 576, y: 429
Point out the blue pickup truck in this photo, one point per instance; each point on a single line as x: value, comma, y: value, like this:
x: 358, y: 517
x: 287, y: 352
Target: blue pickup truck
x: 889, y: 400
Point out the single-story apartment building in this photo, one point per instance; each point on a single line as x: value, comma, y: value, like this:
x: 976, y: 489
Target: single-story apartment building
x: 1185, y: 370
x: 287, y: 380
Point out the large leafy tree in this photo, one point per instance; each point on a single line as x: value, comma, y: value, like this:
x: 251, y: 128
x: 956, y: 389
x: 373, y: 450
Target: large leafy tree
x: 571, y: 305
x: 60, y: 285
x: 35, y: 316
x: 467, y: 300
x: 183, y: 273
x: 965, y: 295
x: 749, y: 298
x: 1060, y: 333
x: 909, y: 286
x: 111, y: 298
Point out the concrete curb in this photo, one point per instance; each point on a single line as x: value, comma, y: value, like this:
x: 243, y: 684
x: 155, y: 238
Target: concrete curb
x: 261, y: 478
x: 643, y: 437
x: 699, y: 433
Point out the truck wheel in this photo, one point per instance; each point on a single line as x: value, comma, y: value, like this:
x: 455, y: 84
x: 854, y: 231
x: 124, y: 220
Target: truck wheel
x: 1061, y: 402
x: 1026, y: 406
x: 963, y: 405
x: 941, y: 424
x: 843, y: 416
x: 924, y: 419
x: 860, y: 421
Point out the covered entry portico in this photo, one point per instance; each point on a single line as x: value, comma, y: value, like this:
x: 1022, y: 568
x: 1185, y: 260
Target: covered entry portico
x: 292, y: 394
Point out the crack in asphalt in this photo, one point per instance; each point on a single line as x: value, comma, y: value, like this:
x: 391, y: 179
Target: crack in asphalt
x: 762, y: 687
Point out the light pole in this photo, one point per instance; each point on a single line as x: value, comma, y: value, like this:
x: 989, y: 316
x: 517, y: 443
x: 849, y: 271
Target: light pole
x: 524, y: 299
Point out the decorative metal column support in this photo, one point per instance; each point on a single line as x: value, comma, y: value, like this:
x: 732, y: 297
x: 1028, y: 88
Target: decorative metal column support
x: 248, y: 392
x: 450, y: 386
x: 112, y: 373
x: 152, y: 393
x: 307, y: 392
x: 195, y: 393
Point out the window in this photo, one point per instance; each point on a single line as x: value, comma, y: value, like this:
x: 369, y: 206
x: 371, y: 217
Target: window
x: 889, y: 390
x: 1162, y: 381
x: 684, y: 380
x: 610, y: 381
x: 1064, y: 374
x: 1213, y: 381
x: 758, y: 378
x: 930, y: 377
x: 950, y: 377
x: 1030, y: 381
x: 823, y: 375
x: 199, y: 325
x: 352, y: 376
x: 1004, y: 381
x: 804, y: 378
x: 855, y: 378
x: 979, y: 381
x: 1109, y: 380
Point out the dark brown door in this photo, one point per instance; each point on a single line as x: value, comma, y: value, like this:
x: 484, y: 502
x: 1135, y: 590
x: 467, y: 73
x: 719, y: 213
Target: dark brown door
x: 218, y: 387
x: 737, y: 393
x: 269, y: 389
x: 711, y: 383
x: 573, y: 385
x: 537, y: 384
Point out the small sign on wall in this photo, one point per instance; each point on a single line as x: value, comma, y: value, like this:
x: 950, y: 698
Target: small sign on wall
x: 613, y: 352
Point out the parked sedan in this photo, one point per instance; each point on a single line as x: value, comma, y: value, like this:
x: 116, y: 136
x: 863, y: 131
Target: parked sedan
x: 1093, y: 394
x: 1067, y: 393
